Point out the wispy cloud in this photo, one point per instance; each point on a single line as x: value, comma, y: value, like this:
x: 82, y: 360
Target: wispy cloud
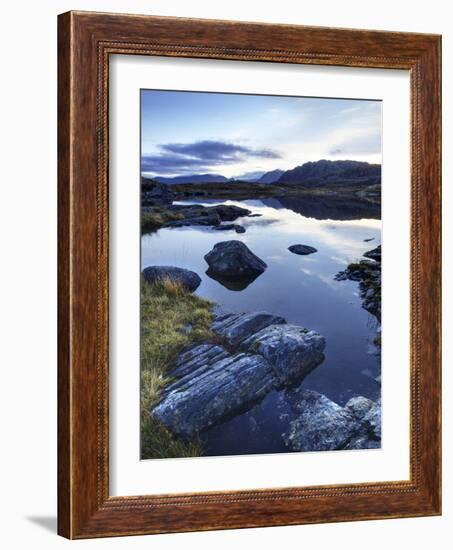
x: 202, y: 155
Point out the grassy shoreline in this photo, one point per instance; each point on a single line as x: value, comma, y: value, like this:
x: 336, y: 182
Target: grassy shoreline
x: 171, y: 319
x: 155, y: 219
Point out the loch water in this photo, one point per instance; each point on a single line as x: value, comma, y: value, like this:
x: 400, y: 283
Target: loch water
x: 302, y: 289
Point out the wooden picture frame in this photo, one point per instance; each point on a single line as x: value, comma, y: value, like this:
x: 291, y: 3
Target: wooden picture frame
x: 85, y: 41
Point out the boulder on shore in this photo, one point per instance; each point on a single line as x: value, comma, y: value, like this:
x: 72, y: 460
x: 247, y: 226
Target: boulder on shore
x: 302, y: 249
x: 233, y: 259
x: 189, y: 280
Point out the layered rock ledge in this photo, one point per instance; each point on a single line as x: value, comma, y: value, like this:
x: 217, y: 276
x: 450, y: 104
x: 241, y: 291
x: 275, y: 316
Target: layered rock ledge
x: 368, y: 274
x: 259, y: 352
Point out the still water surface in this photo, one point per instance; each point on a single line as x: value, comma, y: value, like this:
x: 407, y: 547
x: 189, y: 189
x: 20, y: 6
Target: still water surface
x: 302, y: 289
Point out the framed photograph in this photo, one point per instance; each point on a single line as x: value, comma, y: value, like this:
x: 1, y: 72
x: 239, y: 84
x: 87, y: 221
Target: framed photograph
x: 249, y: 275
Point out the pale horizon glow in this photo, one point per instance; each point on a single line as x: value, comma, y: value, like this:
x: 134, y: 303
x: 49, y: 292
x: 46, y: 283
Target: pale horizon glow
x: 186, y: 133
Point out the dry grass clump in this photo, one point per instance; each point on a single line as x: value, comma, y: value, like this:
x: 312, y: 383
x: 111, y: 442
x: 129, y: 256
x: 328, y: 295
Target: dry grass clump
x: 171, y: 319
x: 155, y: 219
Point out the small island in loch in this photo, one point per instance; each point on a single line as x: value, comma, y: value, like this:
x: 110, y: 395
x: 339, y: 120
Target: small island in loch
x: 261, y: 278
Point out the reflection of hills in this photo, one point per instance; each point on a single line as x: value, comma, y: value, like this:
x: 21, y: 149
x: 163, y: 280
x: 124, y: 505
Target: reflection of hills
x: 328, y: 207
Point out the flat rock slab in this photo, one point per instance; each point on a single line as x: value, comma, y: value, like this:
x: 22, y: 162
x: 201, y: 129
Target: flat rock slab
x: 302, y: 249
x: 189, y: 280
x: 213, y: 382
x: 323, y: 425
x: 237, y: 327
x: 212, y: 388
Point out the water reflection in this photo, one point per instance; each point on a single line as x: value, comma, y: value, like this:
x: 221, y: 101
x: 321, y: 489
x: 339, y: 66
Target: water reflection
x: 236, y: 284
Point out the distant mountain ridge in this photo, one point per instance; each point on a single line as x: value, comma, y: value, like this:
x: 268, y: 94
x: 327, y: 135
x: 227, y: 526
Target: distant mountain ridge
x: 195, y: 178
x: 270, y: 177
x: 309, y: 174
x: 353, y: 172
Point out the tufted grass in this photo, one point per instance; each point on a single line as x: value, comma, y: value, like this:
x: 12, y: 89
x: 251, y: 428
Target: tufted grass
x: 171, y: 319
x: 152, y: 221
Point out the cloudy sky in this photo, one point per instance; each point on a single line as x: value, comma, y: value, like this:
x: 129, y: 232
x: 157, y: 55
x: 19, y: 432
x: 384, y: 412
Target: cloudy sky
x: 187, y: 133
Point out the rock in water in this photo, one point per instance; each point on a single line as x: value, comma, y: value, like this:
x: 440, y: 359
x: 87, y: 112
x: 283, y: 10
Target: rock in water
x: 322, y: 425
x: 359, y: 406
x: 233, y: 259
x: 230, y: 212
x: 189, y: 280
x: 372, y: 420
x: 302, y: 249
x: 293, y: 351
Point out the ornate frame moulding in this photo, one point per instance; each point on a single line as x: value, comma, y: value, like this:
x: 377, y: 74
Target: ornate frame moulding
x: 85, y: 41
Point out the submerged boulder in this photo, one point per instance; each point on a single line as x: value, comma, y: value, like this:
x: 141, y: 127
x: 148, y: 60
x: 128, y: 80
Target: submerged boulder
x: 302, y: 249
x: 189, y: 280
x: 233, y: 259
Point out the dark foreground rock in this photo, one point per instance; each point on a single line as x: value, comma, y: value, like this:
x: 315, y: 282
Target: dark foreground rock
x: 233, y: 259
x: 189, y: 280
x: 323, y: 425
x: 302, y: 249
x: 213, y: 382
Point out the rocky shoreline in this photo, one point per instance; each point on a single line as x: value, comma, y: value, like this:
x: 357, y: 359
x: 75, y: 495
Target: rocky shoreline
x: 368, y: 274
x: 159, y: 210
